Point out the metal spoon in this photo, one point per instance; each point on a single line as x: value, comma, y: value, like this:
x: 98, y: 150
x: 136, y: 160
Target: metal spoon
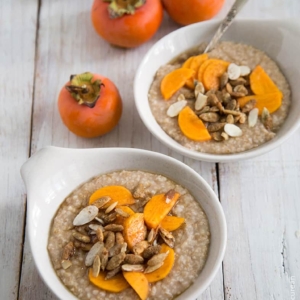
x: 235, y: 8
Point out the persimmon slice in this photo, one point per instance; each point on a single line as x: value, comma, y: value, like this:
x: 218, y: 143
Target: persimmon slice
x: 188, y: 62
x: 175, y: 80
x: 135, y: 230
x: 194, y: 65
x: 212, y: 73
x: 166, y: 268
x: 158, y: 207
x: 120, y: 219
x: 191, y: 126
x: 172, y: 223
x: 117, y: 193
x: 271, y: 101
x: 115, y: 284
x: 261, y: 83
x: 202, y: 69
x: 138, y: 281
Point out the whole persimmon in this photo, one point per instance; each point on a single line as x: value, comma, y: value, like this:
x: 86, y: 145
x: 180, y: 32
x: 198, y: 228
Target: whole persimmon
x: 192, y: 11
x: 126, y: 23
x: 90, y: 105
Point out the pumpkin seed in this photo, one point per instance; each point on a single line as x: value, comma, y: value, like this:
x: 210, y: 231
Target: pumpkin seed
x: 180, y: 97
x: 225, y: 136
x: 122, y: 213
x: 223, y: 80
x: 242, y: 118
x: 116, y: 249
x: 212, y: 100
x: 167, y: 236
x: 119, y: 238
x: 210, y: 117
x: 133, y: 259
x: 112, y: 273
x: 151, y: 251
x: 230, y: 119
x: 101, y: 201
x: 157, y: 259
x: 132, y: 268
x: 238, y: 81
x: 81, y: 237
x: 114, y: 227
x: 111, y: 207
x: 140, y: 247
x: 96, y: 266
x: 115, y: 261
x: 104, y: 258
x: 68, y: 251
x: 249, y: 106
x: 213, y: 127
x: 267, y: 119
x: 110, y: 240
x: 240, y: 89
x: 95, y: 250
x: 151, y: 269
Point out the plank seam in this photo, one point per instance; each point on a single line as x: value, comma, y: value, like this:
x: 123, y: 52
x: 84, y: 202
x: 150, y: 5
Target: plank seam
x: 30, y: 137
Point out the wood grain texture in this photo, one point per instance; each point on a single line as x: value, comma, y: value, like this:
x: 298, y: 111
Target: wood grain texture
x: 260, y: 198
x: 17, y: 53
x: 67, y: 44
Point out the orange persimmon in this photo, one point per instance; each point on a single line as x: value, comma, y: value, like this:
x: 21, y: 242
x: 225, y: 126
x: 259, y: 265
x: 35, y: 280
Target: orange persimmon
x: 158, y: 207
x: 202, y: 69
x: 135, y: 229
x: 126, y: 23
x: 271, y: 101
x: 261, y: 83
x: 117, y: 193
x: 192, y: 11
x: 171, y: 223
x: 166, y: 268
x: 138, y: 281
x: 213, y: 71
x: 194, y: 65
x: 191, y: 126
x: 115, y: 284
x: 90, y: 105
x: 175, y: 80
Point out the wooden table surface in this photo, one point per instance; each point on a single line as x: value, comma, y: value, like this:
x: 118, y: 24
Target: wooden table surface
x: 42, y: 42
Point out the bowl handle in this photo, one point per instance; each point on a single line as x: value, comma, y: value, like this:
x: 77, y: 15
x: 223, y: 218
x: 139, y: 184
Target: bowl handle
x: 31, y: 169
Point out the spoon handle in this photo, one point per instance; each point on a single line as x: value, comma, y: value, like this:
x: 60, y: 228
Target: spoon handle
x: 236, y: 7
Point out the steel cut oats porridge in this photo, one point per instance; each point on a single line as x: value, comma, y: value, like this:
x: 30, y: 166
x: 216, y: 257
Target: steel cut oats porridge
x: 220, y: 118
x: 134, y: 247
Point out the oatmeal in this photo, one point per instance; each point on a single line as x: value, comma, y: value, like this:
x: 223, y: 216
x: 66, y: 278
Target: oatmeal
x: 252, y: 130
x: 73, y: 248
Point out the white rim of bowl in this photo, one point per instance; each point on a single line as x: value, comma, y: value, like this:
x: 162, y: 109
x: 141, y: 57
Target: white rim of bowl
x: 264, y: 148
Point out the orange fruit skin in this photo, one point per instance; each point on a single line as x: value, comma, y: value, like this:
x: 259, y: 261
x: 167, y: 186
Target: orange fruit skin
x: 192, y: 11
x: 91, y: 122
x: 127, y: 31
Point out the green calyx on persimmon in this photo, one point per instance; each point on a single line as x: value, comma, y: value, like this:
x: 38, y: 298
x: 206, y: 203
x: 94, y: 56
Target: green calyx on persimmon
x: 83, y: 90
x: 118, y: 8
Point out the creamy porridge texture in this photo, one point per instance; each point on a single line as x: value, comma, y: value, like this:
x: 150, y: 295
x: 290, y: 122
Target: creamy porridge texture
x: 252, y: 137
x: 191, y: 240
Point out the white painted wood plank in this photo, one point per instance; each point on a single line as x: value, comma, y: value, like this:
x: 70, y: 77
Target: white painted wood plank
x: 68, y: 45
x: 17, y: 51
x: 261, y: 202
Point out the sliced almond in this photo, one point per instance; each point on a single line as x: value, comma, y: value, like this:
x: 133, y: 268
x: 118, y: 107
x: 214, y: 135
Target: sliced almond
x: 176, y: 108
x: 233, y: 71
x: 244, y: 70
x: 252, y: 117
x: 86, y: 215
x: 200, y: 102
x: 233, y: 130
x: 199, y: 89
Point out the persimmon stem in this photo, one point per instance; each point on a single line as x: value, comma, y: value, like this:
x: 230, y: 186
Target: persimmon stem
x: 118, y: 8
x: 83, y: 90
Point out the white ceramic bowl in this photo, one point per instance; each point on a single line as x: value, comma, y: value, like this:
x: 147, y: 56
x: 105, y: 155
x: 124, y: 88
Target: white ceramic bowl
x: 53, y: 173
x: 279, y: 39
